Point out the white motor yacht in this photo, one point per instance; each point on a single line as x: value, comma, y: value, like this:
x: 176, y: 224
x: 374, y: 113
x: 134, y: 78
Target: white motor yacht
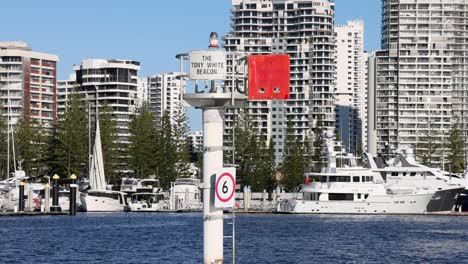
x: 147, y: 202
x: 133, y: 185
x: 346, y: 188
x: 12, y: 184
x: 404, y: 172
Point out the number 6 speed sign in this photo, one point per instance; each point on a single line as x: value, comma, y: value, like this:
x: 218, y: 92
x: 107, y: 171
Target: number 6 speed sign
x: 225, y: 188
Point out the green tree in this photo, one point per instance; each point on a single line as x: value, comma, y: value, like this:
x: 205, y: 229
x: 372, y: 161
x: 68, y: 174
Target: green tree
x: 294, y: 161
x: 72, y: 138
x: 30, y: 145
x: 52, y: 162
x: 455, y: 147
x: 245, y: 148
x: 428, y: 147
x: 143, y: 143
x: 264, y: 168
x: 168, y: 157
x: 110, y: 151
x: 180, y: 132
x: 3, y: 145
x: 318, y: 144
x: 196, y: 156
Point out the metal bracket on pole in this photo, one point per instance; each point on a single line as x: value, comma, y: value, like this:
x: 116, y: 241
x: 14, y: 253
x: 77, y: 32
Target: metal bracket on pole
x: 213, y: 148
x: 218, y: 217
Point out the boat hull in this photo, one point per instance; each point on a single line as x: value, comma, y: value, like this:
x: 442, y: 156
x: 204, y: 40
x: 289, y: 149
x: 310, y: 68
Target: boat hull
x: 391, y: 204
x: 462, y: 202
x: 144, y: 207
x: 444, y: 200
x: 101, y: 204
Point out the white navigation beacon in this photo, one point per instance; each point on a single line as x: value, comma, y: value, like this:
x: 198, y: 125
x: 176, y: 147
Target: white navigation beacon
x: 225, y: 188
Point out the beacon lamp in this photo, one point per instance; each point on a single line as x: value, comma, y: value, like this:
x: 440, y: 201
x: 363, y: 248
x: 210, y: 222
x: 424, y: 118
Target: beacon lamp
x: 214, y: 40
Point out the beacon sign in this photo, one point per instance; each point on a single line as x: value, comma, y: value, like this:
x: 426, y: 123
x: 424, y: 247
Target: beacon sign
x: 207, y: 65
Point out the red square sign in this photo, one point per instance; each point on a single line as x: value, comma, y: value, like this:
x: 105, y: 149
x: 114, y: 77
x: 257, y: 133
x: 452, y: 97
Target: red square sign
x: 269, y: 77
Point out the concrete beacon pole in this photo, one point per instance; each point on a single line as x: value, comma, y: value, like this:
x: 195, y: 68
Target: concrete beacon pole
x: 210, y: 66
x: 213, y: 161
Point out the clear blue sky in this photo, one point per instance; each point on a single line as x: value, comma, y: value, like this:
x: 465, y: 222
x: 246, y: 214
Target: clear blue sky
x: 149, y: 31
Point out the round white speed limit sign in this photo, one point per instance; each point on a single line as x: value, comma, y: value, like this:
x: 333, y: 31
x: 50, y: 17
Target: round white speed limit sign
x: 225, y: 188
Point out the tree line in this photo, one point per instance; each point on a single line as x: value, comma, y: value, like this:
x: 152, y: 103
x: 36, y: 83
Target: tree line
x: 255, y: 158
x: 436, y: 149
x: 159, y: 150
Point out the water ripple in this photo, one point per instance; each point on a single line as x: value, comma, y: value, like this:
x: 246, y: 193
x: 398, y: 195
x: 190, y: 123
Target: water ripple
x: 177, y: 238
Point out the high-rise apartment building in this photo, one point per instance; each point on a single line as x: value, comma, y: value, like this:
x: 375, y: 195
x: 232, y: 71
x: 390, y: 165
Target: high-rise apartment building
x: 350, y: 89
x: 196, y: 139
x: 112, y: 82
x: 28, y: 83
x: 164, y: 94
x: 419, y: 77
x: 303, y: 29
x: 64, y: 89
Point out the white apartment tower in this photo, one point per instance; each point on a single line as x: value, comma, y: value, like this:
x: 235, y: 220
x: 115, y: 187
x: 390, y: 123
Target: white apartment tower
x: 28, y: 83
x: 164, y: 94
x: 350, y: 89
x: 65, y: 88
x: 419, y: 77
x: 303, y: 29
x: 110, y: 81
x: 196, y: 139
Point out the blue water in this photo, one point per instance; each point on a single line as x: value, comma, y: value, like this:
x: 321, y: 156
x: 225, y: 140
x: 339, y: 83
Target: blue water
x: 177, y: 238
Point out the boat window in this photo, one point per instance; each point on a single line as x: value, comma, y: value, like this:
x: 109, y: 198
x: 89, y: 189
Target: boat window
x: 366, y: 195
x: 394, y: 174
x: 413, y: 174
x: 371, y: 178
x: 323, y: 179
x: 129, y: 182
x: 356, y: 179
x: 314, y: 179
x: 363, y: 179
x: 344, y: 179
x: 187, y: 181
x: 367, y: 178
x: 404, y: 173
x: 359, y: 196
x: 340, y: 196
x: 340, y: 179
x: 311, y: 196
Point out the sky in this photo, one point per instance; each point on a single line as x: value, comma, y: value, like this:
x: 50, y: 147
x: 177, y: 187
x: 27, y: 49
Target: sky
x: 149, y: 31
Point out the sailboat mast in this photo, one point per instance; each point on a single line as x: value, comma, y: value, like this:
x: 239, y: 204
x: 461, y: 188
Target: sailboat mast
x: 8, y: 126
x: 96, y: 104
x: 89, y: 137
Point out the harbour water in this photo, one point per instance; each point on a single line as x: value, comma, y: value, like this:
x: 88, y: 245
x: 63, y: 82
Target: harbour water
x: 177, y: 238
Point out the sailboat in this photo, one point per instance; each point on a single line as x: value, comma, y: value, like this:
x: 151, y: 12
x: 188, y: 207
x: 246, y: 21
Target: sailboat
x: 13, y: 178
x: 97, y: 198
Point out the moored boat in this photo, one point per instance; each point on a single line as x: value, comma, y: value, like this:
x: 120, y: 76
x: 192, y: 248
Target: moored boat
x: 343, y: 187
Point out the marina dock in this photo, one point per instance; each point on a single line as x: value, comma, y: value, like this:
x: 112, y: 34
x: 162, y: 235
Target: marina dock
x: 10, y: 214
